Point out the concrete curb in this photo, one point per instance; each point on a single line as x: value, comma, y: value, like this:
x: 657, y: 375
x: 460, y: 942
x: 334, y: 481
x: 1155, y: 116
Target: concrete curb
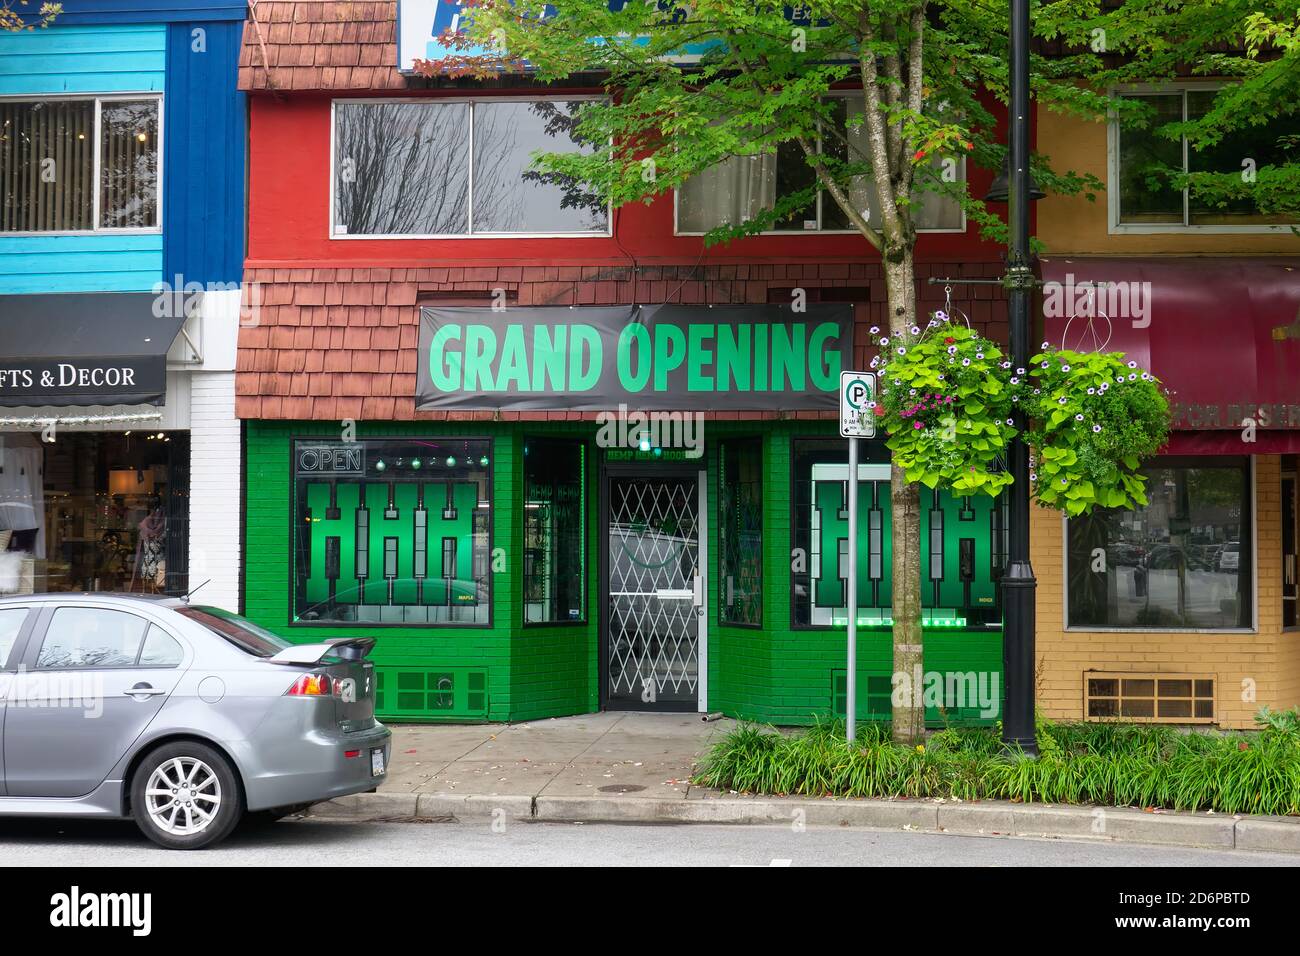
x: 991, y: 818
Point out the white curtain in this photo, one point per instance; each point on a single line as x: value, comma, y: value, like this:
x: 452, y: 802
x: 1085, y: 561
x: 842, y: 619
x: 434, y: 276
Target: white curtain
x: 22, y: 486
x: 931, y: 210
x: 732, y: 191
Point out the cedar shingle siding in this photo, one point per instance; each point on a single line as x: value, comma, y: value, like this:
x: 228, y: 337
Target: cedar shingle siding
x: 330, y: 344
x: 320, y: 46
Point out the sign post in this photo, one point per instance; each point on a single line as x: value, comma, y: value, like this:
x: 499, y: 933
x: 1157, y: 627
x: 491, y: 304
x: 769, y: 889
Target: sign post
x: 857, y: 420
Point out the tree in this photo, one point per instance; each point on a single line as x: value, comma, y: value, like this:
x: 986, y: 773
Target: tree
x: 1244, y: 138
x: 13, y: 20
x: 723, y: 80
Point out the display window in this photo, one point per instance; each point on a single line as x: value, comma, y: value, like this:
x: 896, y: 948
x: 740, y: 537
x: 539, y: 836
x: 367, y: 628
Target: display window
x: 392, y: 531
x: 94, y: 511
x: 1182, y: 560
x: 555, y: 530
x: 963, y: 545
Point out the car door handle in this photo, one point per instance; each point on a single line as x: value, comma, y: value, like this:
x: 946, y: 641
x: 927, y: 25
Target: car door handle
x: 143, y: 690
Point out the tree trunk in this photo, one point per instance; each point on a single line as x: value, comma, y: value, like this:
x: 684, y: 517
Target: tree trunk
x: 908, y: 704
x: 908, y: 682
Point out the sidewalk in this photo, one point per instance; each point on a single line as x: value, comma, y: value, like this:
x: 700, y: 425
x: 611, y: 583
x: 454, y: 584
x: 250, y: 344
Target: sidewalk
x: 607, y: 753
x: 635, y: 768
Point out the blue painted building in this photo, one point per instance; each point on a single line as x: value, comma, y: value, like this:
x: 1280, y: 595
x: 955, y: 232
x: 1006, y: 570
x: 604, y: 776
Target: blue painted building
x: 122, y: 225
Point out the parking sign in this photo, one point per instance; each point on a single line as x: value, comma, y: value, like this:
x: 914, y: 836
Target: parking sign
x: 857, y: 391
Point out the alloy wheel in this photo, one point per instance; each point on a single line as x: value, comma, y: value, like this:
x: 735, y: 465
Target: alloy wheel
x: 183, y: 796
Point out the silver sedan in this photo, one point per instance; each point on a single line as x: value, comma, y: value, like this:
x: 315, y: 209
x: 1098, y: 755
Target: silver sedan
x: 179, y: 716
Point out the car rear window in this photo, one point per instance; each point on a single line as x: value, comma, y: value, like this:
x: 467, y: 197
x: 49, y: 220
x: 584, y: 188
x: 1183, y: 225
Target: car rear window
x: 243, y: 633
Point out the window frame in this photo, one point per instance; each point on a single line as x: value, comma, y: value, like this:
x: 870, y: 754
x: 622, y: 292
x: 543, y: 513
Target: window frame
x: 18, y: 649
x: 330, y: 227
x: 821, y: 198
x: 174, y: 640
x: 758, y: 439
x: 588, y: 460
x: 870, y: 454
x: 291, y: 578
x: 1289, y: 473
x: 1114, y: 226
x: 99, y: 99
x: 1253, y: 536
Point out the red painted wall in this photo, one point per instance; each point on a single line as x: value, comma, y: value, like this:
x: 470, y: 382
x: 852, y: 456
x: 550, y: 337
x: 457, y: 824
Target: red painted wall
x: 289, y: 141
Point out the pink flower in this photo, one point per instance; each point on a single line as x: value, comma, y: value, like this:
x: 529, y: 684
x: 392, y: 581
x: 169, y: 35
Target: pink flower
x: 917, y: 425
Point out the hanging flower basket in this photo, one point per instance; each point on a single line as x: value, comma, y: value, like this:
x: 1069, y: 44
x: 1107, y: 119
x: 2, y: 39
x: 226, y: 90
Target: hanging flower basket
x: 945, y: 404
x: 1093, y: 417
x: 946, y: 399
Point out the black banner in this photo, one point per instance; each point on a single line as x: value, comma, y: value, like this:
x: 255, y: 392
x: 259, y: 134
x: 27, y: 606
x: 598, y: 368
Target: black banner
x: 653, y: 357
x: 114, y: 380
x: 86, y: 348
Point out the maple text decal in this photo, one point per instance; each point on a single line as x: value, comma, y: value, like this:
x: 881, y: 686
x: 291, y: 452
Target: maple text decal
x: 687, y: 358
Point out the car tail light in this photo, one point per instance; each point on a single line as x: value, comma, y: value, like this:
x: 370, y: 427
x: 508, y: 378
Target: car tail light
x: 310, y: 685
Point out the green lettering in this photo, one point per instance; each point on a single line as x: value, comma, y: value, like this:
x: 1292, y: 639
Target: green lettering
x: 760, y: 357
x: 548, y: 357
x: 444, y: 367
x: 634, y: 381
x: 514, y: 361
x: 734, y: 347
x: 700, y: 358
x: 584, y: 342
x: 789, y: 358
x: 670, y: 351
x: 480, y: 350
x: 824, y: 363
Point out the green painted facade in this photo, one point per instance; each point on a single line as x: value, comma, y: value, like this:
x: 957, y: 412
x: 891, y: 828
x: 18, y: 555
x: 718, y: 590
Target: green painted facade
x: 510, y: 671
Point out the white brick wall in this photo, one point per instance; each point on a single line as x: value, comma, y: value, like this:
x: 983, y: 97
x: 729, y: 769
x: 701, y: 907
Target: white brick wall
x: 214, y: 488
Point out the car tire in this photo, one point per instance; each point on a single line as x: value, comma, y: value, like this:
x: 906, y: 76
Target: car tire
x: 205, y: 802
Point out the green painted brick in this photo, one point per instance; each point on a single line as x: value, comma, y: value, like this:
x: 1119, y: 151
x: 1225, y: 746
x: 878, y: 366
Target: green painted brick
x: 772, y: 673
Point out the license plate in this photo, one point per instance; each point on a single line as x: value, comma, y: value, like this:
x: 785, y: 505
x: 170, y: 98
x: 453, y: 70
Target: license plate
x: 377, y: 762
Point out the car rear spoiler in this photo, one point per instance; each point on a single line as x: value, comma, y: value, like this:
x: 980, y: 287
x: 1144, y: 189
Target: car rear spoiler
x: 345, y: 648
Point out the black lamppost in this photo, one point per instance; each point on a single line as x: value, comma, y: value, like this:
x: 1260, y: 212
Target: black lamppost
x: 1018, y: 583
x: 1015, y: 187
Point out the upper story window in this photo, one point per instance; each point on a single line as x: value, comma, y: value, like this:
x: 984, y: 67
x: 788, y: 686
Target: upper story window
x: 70, y: 165
x: 740, y: 187
x: 1141, y: 197
x: 454, y: 168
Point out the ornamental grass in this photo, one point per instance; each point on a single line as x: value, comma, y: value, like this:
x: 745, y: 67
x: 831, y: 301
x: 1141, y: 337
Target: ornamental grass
x: 1105, y: 764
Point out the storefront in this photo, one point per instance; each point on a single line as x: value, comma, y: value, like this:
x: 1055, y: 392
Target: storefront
x: 613, y: 479
x: 1182, y: 611
x: 606, y: 518
x: 122, y: 186
x: 94, y: 458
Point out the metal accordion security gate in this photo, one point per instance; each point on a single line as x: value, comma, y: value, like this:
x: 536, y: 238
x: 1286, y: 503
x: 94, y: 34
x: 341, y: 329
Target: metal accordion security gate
x: 653, y: 590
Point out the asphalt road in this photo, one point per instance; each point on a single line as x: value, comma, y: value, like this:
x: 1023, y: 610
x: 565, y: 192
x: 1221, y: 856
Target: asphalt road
x: 290, y: 843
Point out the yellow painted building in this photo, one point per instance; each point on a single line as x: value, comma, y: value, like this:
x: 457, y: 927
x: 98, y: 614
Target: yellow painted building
x: 1164, y: 614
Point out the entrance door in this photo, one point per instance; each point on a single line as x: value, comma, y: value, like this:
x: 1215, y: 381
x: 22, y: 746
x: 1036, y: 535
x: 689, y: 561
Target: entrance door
x: 654, y: 592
